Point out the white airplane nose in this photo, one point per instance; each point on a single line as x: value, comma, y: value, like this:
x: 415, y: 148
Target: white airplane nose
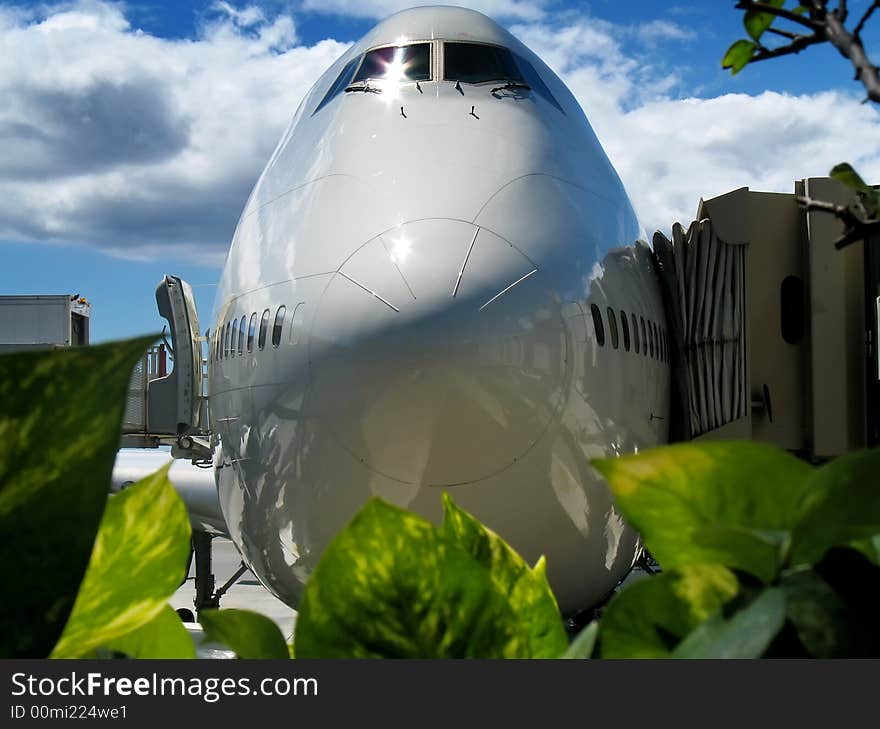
x: 437, y: 355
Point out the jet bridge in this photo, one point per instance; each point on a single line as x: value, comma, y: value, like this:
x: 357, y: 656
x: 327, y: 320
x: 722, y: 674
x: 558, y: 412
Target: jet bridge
x: 775, y: 331
x: 170, y: 406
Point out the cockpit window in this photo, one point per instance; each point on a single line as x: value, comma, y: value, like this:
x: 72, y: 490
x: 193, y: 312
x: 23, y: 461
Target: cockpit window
x: 474, y: 63
x: 397, y: 63
x: 343, y: 80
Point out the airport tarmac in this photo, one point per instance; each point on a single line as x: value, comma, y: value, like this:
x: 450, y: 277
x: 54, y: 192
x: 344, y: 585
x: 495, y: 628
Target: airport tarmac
x: 247, y: 593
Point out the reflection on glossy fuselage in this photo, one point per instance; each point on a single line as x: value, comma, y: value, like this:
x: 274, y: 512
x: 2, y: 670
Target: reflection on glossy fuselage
x: 436, y: 249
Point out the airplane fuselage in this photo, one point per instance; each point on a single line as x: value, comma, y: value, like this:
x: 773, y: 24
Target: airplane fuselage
x: 409, y: 305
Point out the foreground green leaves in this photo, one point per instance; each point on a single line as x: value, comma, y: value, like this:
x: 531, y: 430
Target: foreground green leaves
x: 59, y: 430
x: 650, y: 617
x: 705, y: 509
x: 162, y: 637
x: 137, y: 563
x: 393, y: 585
x: 249, y: 634
x: 728, y: 503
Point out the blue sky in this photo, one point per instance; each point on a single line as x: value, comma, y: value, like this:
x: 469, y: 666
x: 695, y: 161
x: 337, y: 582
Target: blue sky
x: 132, y: 133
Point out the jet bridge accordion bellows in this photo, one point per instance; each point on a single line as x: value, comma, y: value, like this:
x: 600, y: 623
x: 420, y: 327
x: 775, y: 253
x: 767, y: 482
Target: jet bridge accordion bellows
x: 704, y: 291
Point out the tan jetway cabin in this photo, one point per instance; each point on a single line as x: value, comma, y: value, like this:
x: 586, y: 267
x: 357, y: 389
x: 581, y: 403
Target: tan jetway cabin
x: 776, y: 330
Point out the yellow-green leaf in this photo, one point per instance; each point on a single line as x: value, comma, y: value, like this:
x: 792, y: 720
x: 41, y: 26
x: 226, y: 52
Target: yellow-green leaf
x: 162, y: 637
x: 747, y: 634
x: 845, y: 173
x: 727, y: 502
x: 528, y: 589
x: 390, y: 585
x: 843, y: 506
x: 582, y: 646
x: 738, y: 55
x: 648, y: 618
x: 249, y: 634
x: 60, y: 413
x: 137, y: 563
x: 756, y: 21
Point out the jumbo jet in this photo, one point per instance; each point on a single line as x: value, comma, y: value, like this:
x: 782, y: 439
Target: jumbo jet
x: 437, y: 284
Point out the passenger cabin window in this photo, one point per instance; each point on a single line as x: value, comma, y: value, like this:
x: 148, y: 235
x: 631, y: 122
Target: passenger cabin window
x: 241, y: 325
x: 624, y: 325
x: 635, y: 327
x: 475, y: 63
x: 598, y: 326
x: 651, y: 339
x: 343, y: 80
x: 279, y: 325
x: 252, y: 328
x: 226, y: 341
x: 612, y: 326
x: 644, y: 337
x: 397, y: 63
x: 264, y: 327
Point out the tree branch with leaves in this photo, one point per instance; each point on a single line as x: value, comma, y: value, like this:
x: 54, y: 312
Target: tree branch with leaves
x: 810, y: 23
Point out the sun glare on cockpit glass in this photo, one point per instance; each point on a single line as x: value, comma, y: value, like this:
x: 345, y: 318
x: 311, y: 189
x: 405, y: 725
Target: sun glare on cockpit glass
x: 389, y: 67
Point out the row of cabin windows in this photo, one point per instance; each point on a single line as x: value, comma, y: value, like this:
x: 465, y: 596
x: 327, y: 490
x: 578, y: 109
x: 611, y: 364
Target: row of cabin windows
x: 238, y: 335
x: 642, y: 337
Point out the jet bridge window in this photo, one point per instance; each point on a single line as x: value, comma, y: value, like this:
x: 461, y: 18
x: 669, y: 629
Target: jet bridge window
x: 476, y: 63
x: 397, y: 63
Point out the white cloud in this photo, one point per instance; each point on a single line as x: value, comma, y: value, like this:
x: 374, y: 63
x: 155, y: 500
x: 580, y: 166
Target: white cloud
x: 115, y: 138
x: 112, y: 137
x: 659, y: 30
x: 671, y: 151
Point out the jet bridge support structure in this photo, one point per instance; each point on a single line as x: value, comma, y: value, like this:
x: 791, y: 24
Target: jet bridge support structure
x: 775, y: 330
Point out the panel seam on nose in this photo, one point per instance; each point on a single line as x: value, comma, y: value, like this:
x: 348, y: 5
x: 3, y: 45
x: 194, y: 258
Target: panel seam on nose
x: 369, y: 291
x: 464, y: 264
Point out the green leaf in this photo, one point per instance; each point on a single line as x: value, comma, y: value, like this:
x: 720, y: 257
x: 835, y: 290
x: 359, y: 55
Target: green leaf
x: 60, y: 413
x: 845, y: 173
x: 738, y: 55
x: 697, y: 503
x: 390, y: 585
x: 249, y: 634
x: 869, y: 547
x: 583, y: 645
x: 649, y: 618
x: 528, y: 590
x: 162, y: 637
x: 820, y: 618
x: 746, y: 635
x: 137, y: 563
x: 756, y: 22
x: 843, y: 506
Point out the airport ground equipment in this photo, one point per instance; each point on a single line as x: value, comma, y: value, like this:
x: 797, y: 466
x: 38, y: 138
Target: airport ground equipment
x: 43, y: 322
x: 774, y: 330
